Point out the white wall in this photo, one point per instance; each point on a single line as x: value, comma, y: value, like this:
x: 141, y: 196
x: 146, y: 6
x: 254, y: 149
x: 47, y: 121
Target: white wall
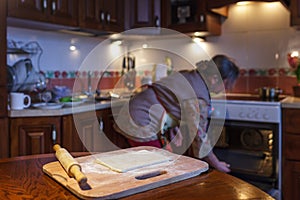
x: 252, y: 35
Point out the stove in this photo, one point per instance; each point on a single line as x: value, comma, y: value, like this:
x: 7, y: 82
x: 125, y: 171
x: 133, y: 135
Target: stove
x: 248, y: 108
x: 251, y: 138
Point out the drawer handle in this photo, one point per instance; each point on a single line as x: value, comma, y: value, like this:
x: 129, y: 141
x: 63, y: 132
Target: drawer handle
x: 45, y: 4
x: 54, y: 134
x: 101, y: 124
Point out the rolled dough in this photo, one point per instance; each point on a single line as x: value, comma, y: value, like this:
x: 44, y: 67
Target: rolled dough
x: 132, y: 160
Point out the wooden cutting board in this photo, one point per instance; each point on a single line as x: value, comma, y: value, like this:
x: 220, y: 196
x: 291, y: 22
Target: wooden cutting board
x: 105, y: 183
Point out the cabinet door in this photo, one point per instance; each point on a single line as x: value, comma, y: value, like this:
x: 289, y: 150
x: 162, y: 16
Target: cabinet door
x: 114, y: 15
x: 291, y: 180
x: 295, y: 12
x: 118, y: 140
x: 143, y: 13
x: 81, y: 132
x: 64, y: 12
x: 189, y: 16
x: 28, y: 9
x: 291, y: 120
x: 34, y: 135
x: 100, y: 15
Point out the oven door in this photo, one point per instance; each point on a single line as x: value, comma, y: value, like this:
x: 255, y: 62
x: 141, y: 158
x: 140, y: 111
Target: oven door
x: 251, y: 149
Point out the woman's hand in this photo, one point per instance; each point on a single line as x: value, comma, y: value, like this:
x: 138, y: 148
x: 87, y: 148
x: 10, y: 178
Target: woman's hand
x: 216, y: 163
x: 222, y: 166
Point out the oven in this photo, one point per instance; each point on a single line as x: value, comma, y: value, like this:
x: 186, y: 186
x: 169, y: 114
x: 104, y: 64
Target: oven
x: 250, y: 141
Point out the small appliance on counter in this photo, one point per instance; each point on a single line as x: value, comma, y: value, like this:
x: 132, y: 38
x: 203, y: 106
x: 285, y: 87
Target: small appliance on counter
x: 22, y: 77
x: 129, y: 72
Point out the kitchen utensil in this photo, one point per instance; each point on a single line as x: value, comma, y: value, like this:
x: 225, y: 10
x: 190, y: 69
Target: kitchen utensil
x: 19, y: 101
x: 48, y: 106
x: 105, y: 183
x: 71, y: 166
x: 22, y: 77
x: 128, y: 72
x: 46, y: 96
x: 267, y: 93
x: 11, y: 79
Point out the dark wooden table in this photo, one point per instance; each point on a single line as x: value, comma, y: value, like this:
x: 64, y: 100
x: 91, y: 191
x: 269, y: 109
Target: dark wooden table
x: 23, y: 178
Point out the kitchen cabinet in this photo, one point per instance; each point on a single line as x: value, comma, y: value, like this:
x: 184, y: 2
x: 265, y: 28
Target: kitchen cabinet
x: 34, y: 135
x: 62, y: 12
x: 190, y: 16
x: 290, y: 153
x: 295, y: 12
x: 4, y: 136
x: 143, y: 13
x: 87, y: 125
x: 96, y: 132
x: 101, y: 15
x: 116, y: 138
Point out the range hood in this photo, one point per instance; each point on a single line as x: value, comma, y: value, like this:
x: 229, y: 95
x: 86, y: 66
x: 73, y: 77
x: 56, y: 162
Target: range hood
x: 221, y: 6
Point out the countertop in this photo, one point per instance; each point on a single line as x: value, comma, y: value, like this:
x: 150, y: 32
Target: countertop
x: 23, y: 178
x: 85, y: 107
x: 287, y: 102
x: 291, y: 102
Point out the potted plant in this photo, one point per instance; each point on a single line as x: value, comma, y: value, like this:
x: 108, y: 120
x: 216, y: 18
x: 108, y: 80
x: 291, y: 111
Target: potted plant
x: 294, y: 62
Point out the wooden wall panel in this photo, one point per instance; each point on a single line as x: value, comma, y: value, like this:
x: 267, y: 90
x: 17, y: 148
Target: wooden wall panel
x: 4, y: 137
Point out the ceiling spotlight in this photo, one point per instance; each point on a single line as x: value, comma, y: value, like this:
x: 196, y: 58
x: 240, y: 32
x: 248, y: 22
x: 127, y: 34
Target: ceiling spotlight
x: 243, y: 3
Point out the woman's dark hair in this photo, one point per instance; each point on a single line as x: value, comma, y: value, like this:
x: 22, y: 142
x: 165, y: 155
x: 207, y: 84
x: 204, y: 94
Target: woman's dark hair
x: 228, y: 69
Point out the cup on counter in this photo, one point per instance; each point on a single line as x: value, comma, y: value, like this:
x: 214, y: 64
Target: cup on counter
x: 19, y: 101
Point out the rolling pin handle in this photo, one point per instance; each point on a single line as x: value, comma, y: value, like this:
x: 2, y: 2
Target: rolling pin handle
x: 70, y: 165
x: 56, y: 147
x: 75, y: 170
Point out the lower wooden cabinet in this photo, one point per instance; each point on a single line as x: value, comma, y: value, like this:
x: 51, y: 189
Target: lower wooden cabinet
x: 291, y: 180
x: 91, y: 131
x: 34, y: 135
x: 290, y: 153
x: 79, y: 131
x: 87, y: 131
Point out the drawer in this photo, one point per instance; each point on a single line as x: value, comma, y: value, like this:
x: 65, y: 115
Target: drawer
x: 291, y: 146
x: 291, y: 120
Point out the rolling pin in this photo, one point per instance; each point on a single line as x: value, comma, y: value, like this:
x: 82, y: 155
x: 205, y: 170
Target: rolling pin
x: 71, y: 166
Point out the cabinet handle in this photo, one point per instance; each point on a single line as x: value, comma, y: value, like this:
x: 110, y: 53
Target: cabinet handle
x: 202, y: 18
x: 53, y: 134
x: 156, y: 21
x: 107, y: 17
x: 102, y: 16
x: 101, y: 124
x: 53, y: 6
x: 45, y: 4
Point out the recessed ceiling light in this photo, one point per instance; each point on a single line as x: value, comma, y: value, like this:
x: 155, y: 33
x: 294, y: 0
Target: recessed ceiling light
x: 243, y: 3
x: 72, y: 48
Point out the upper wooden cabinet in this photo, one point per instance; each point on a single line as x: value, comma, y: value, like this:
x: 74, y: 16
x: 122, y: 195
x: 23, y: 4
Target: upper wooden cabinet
x: 190, y: 16
x: 102, y: 15
x: 295, y: 12
x: 62, y: 12
x: 143, y: 13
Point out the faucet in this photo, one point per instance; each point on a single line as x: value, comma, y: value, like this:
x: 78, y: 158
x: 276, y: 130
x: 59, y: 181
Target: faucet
x: 89, y: 92
x: 89, y: 83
